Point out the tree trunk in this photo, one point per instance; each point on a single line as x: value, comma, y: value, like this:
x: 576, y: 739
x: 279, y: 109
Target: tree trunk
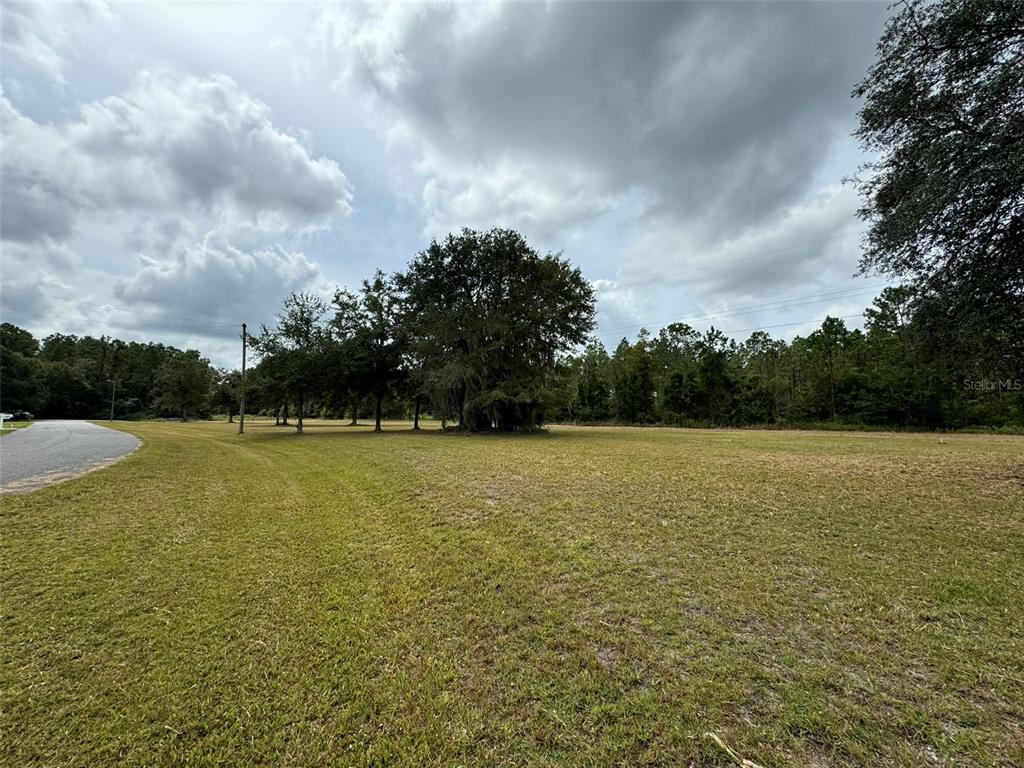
x: 416, y: 415
x: 378, y: 411
x: 298, y: 417
x: 231, y: 417
x: 355, y: 413
x: 284, y: 415
x: 184, y: 414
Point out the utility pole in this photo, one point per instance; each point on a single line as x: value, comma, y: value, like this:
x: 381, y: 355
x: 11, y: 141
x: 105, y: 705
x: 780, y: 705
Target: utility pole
x: 241, y: 398
x: 113, y: 392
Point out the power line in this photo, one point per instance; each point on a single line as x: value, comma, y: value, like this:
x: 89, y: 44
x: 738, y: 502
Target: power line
x: 779, y: 304
x: 186, y: 326
x: 672, y: 275
x: 194, y: 324
x: 105, y: 305
x: 786, y: 325
x: 625, y: 283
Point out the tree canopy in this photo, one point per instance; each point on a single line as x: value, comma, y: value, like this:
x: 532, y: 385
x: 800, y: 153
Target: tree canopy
x: 294, y: 349
x: 76, y: 376
x: 943, y: 113
x: 184, y: 384
x: 487, y: 318
x: 369, y: 339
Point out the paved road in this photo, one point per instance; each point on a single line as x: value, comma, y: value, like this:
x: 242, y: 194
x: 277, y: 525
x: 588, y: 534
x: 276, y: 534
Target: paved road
x: 52, y: 451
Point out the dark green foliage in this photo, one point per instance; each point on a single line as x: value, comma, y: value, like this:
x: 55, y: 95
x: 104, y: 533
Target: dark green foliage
x: 474, y: 330
x: 22, y: 380
x: 69, y: 391
x: 73, y: 376
x: 674, y: 356
x: 487, y: 319
x: 294, y: 351
x: 888, y: 375
x: 593, y: 383
x: 760, y: 381
x: 944, y: 113
x: 633, y: 393
x: 224, y: 397
x: 17, y: 340
x: 715, y: 379
x: 369, y: 339
x: 483, y: 332
x: 183, y: 385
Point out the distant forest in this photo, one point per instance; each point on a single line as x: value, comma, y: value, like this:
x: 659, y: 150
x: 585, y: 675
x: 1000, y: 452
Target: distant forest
x: 484, y: 333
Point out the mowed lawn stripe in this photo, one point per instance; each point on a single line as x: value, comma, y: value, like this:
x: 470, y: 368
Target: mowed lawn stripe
x: 584, y: 596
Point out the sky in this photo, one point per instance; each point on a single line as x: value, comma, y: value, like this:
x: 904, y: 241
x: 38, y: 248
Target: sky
x: 171, y: 171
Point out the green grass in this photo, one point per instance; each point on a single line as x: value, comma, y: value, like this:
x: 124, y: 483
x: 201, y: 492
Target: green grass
x: 581, y: 597
x: 11, y: 426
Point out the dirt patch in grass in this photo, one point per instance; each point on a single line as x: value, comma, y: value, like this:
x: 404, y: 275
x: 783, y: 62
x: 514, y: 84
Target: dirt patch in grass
x: 996, y: 472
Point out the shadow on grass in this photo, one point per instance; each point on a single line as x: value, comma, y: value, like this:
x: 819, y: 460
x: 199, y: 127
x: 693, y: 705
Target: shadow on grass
x: 398, y: 430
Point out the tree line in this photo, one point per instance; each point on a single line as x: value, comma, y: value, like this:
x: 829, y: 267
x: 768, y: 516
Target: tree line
x: 483, y: 333
x: 367, y: 355
x: 476, y: 329
x: 894, y: 373
x: 67, y: 376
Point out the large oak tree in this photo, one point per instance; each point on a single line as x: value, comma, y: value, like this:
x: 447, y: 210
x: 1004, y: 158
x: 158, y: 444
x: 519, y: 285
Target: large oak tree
x: 488, y: 318
x: 944, y: 115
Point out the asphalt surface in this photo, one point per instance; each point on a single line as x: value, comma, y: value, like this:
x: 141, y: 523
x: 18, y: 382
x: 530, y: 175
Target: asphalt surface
x: 49, y: 452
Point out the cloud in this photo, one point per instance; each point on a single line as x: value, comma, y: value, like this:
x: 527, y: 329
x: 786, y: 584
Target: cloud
x: 36, y: 202
x: 182, y: 187
x: 811, y: 241
x: 719, y: 114
x: 798, y: 267
x: 218, y: 283
x: 542, y: 201
x: 214, y: 147
x: 40, y: 35
x: 674, y: 150
x: 716, y: 126
x: 619, y: 306
x: 171, y: 145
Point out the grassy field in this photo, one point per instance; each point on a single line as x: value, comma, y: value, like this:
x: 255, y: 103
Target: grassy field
x: 10, y: 427
x: 581, y: 597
